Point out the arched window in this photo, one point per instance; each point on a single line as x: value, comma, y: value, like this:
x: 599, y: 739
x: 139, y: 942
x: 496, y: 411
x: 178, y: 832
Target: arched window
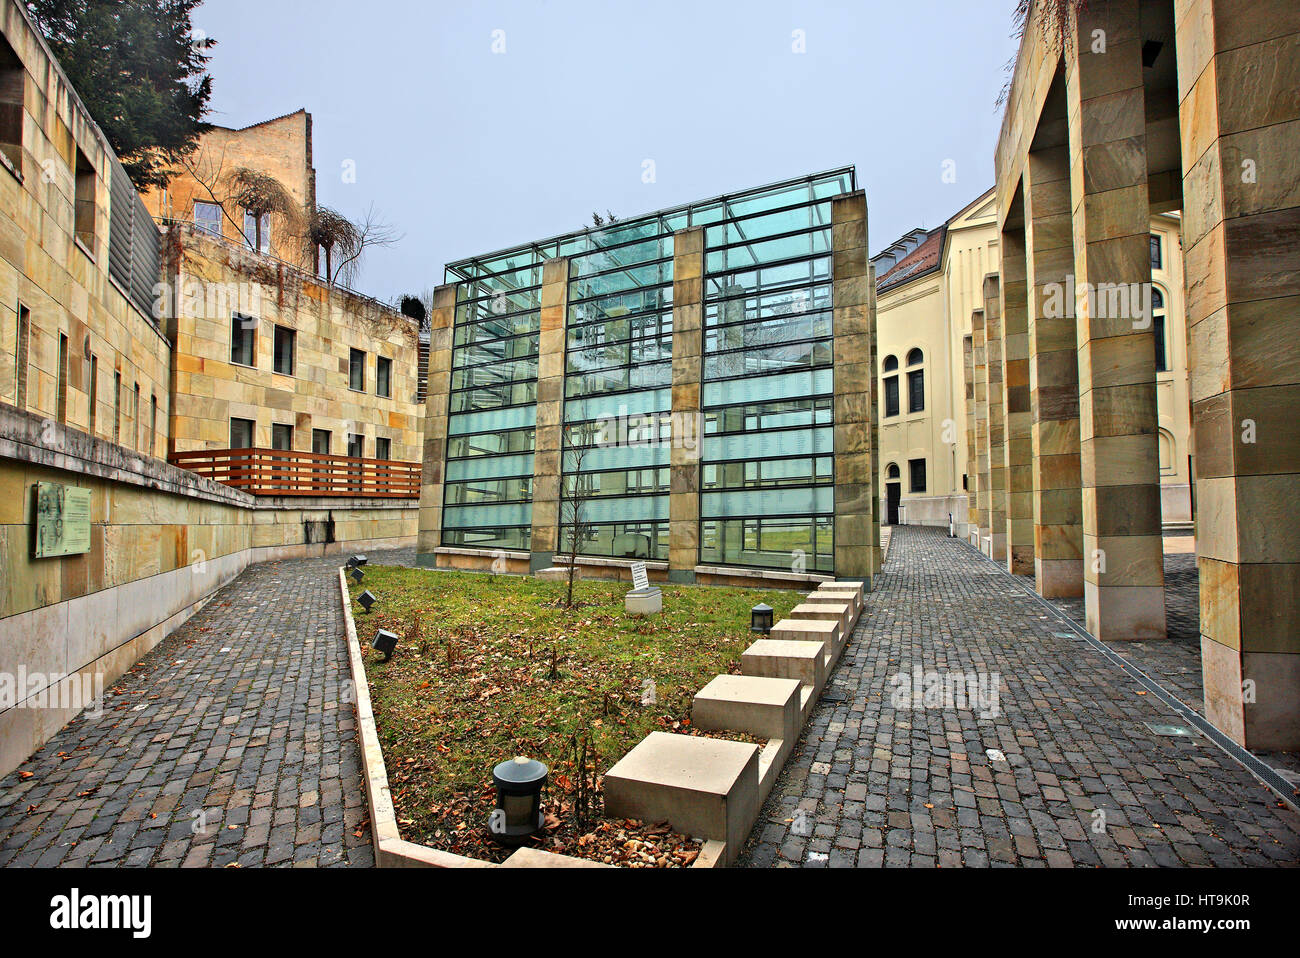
x: 891, y: 387
x: 915, y: 381
x: 1158, y: 325
x: 894, y: 472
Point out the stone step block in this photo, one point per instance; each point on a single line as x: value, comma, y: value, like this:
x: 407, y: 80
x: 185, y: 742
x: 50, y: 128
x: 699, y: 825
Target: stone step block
x: 703, y: 787
x: 839, y: 612
x: 853, y: 589
x: 828, y: 633
x: 778, y: 659
x: 822, y: 598
x: 765, y: 707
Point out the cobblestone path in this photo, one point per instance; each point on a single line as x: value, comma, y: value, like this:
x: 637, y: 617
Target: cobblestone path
x: 1076, y: 778
x: 231, y: 743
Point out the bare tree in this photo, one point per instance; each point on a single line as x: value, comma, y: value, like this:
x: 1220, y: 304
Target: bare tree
x: 262, y: 195
x: 576, y: 491
x: 371, y: 233
x: 330, y: 230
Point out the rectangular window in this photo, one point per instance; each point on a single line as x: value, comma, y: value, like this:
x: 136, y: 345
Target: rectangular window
x: 207, y: 217
x: 1162, y: 348
x: 282, y: 437
x: 153, y: 425
x: 117, y: 407
x: 24, y: 338
x: 384, y: 377
x: 356, y: 446
x: 891, y: 396
x: 384, y: 449
x: 94, y: 392
x: 62, y: 395
x: 357, y: 371
x: 258, y: 233
x: 243, y: 340
x: 135, y: 415
x: 917, y: 469
x: 1157, y: 253
x: 285, y: 341
x: 916, y: 392
x: 85, y: 202
x: 242, y: 433
x: 13, y: 85
x: 321, y: 440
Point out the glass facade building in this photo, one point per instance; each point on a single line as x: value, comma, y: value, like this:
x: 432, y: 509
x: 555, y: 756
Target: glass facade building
x: 754, y: 384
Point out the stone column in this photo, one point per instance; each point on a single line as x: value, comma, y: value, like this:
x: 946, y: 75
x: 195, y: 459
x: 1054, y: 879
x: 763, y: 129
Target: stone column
x: 688, y: 373
x: 1053, y: 376
x: 972, y: 523
x: 1122, y: 529
x: 548, y: 468
x: 1015, y: 397
x: 1238, y: 74
x: 997, y: 420
x: 983, y: 500
x: 442, y: 320
x: 857, y: 529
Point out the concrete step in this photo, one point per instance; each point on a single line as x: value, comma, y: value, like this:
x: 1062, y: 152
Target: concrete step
x: 764, y: 707
x: 703, y: 787
x: 824, y: 631
x: 824, y: 598
x: 805, y: 662
x: 853, y: 589
x: 840, y: 612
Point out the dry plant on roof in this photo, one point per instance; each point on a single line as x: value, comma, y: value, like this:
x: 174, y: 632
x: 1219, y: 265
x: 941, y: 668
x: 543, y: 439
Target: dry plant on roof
x: 261, y: 195
x: 1055, y: 26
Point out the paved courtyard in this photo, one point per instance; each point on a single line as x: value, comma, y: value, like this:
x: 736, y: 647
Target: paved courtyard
x: 232, y: 743
x: 1080, y: 779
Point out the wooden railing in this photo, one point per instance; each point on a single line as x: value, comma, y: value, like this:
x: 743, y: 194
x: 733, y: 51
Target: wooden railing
x: 279, y: 472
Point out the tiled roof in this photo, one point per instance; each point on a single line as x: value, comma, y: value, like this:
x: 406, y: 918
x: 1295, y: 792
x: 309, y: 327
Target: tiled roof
x: 924, y: 259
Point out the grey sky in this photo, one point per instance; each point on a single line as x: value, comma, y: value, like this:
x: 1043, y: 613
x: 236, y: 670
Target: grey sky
x: 467, y: 151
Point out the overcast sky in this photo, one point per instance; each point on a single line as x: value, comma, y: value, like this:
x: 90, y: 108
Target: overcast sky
x: 469, y: 140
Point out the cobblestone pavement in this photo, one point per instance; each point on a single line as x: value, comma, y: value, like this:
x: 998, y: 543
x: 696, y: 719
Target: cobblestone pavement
x: 1176, y: 663
x: 231, y: 743
x: 1080, y: 779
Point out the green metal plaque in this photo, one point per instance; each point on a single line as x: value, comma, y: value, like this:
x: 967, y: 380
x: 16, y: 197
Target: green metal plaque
x: 61, y: 521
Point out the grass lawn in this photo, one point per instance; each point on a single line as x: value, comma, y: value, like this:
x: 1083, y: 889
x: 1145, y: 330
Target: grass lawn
x: 491, y: 667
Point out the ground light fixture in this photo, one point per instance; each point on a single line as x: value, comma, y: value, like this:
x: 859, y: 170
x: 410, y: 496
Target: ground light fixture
x: 367, y: 600
x: 357, y: 561
x: 518, y: 815
x: 385, y: 642
x: 357, y: 574
x: 760, y: 620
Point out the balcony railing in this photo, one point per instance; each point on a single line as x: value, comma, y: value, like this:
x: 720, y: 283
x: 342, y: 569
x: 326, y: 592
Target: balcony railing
x: 281, y: 472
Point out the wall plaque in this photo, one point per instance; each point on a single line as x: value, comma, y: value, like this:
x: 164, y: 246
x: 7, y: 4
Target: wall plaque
x: 61, y: 521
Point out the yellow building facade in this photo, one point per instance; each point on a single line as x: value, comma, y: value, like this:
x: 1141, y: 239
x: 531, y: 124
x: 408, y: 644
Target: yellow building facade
x: 930, y: 285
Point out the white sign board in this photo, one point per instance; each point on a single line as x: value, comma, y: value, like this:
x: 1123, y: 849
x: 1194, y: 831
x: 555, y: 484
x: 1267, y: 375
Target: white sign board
x: 640, y: 577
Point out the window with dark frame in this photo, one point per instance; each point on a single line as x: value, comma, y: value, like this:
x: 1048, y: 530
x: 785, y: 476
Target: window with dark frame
x: 13, y: 88
x: 285, y: 342
x: 281, y: 437
x: 357, y: 371
x: 384, y: 449
x: 62, y: 393
x: 1157, y: 252
x: 321, y: 440
x: 243, y: 340
x: 915, y: 382
x: 242, y: 433
x: 117, y: 407
x: 85, y: 202
x: 384, y: 377
x: 24, y: 340
x: 916, y: 472
x: 94, y: 392
x: 1158, y: 320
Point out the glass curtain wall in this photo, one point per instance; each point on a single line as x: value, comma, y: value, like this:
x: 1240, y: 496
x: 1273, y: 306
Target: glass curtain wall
x: 488, y: 483
x: 767, y: 497
x: 768, y: 477
x: 618, y: 386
